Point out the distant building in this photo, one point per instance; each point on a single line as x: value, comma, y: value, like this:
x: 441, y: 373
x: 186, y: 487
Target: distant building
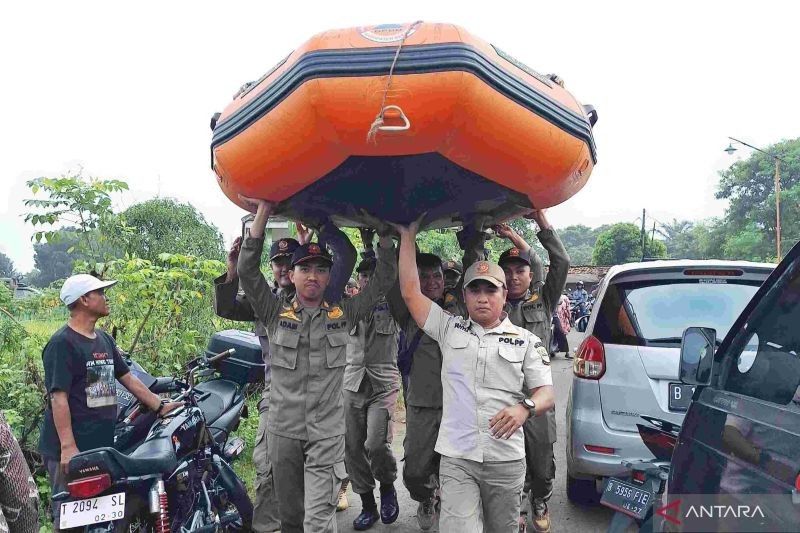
x: 590, y: 275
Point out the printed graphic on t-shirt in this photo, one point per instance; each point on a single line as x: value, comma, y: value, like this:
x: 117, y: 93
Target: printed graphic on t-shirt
x: 101, y: 387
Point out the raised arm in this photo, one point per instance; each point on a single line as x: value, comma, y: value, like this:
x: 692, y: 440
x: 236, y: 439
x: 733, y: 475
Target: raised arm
x: 556, y: 278
x: 265, y: 304
x: 344, y: 260
x: 385, y: 275
x: 419, y: 306
x: 228, y: 303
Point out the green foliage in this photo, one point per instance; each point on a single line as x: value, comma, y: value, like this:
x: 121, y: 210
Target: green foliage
x: 53, y: 258
x: 162, y: 311
x: 72, y: 200
x: 7, y: 269
x: 749, y: 186
x: 161, y: 225
x: 622, y: 243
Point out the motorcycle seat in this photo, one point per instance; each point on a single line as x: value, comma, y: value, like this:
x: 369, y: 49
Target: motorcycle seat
x: 218, y: 396
x: 156, y: 456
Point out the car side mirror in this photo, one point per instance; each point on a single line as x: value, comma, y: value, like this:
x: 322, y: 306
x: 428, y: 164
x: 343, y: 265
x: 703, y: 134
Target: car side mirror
x: 581, y: 324
x: 697, y: 355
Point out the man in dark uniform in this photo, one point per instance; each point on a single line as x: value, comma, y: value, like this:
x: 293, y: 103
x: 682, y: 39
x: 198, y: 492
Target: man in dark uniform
x: 307, y: 339
x: 231, y: 304
x: 371, y: 387
x: 452, y: 274
x: 531, y: 306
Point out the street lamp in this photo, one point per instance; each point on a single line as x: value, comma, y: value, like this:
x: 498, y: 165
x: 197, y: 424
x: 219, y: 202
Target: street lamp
x: 730, y: 149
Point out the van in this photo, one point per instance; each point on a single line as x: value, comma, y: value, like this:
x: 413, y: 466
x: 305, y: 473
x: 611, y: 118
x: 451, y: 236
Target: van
x: 739, y: 445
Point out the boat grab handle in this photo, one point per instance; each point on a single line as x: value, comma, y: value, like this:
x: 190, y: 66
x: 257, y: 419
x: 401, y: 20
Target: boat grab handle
x: 406, y: 123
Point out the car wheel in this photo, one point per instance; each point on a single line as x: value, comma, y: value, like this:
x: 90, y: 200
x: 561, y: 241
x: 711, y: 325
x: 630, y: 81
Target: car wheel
x: 582, y: 491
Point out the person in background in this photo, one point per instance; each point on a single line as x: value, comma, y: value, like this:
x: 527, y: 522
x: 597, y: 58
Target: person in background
x: 81, y: 367
x: 561, y: 320
x: 452, y: 274
x: 531, y: 305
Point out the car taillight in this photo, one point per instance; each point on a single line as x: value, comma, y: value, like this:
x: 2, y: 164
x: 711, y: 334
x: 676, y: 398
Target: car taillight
x: 89, y: 487
x: 639, y: 476
x: 599, y: 449
x: 590, y: 360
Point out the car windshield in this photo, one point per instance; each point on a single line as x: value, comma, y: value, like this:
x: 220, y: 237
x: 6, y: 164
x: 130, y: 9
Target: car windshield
x: 657, y: 313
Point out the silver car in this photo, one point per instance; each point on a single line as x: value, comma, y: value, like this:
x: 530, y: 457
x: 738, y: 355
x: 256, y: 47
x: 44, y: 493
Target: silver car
x: 627, y: 365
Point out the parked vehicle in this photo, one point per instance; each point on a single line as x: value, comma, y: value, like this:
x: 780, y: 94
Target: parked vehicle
x: 176, y: 480
x: 627, y: 366
x: 741, y: 436
x: 633, y: 498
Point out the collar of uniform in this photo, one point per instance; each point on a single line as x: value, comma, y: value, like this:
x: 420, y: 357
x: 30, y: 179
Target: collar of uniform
x: 505, y: 325
x: 297, y: 306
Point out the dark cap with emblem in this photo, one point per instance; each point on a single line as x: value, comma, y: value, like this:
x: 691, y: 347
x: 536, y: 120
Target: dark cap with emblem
x: 367, y: 265
x: 513, y: 254
x: 283, y: 248
x: 453, y: 265
x: 307, y: 252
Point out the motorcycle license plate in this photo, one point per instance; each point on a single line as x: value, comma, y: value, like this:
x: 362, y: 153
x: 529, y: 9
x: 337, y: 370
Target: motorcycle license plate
x: 91, y: 511
x: 626, y: 498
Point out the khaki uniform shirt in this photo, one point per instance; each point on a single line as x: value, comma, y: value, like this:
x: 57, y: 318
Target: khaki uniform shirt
x: 308, y: 347
x: 534, y: 311
x: 372, y: 352
x: 483, y: 372
x: 425, y: 378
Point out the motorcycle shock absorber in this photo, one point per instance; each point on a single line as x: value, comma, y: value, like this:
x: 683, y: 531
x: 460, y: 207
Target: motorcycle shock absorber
x: 159, y: 506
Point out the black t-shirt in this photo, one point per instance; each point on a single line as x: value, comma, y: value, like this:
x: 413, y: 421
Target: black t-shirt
x: 86, y: 369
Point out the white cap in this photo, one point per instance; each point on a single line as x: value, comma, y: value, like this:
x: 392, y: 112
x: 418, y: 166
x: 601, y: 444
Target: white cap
x: 80, y: 284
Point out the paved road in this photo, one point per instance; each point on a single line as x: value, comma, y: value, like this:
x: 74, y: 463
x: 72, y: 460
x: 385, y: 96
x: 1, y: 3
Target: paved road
x: 566, y: 517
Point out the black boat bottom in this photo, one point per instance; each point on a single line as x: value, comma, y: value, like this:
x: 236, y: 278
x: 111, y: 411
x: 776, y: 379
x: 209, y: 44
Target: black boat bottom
x: 399, y: 189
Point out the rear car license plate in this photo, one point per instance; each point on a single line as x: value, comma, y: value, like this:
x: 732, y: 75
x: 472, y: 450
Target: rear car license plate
x: 680, y: 396
x: 91, y: 511
x: 626, y: 498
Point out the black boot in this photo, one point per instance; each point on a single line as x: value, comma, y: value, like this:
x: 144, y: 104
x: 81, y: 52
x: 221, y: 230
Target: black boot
x: 369, y: 513
x: 390, y: 509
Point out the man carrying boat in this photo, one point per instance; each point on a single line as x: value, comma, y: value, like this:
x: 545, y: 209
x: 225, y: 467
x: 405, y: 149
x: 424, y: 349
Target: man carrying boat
x: 530, y: 305
x: 307, y: 339
x: 486, y: 361
x: 371, y: 387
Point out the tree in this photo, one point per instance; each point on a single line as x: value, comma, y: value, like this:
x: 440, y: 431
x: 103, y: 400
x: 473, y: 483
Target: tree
x: 749, y: 186
x: 622, y: 243
x: 162, y: 225
x: 55, y: 258
x: 72, y: 200
x: 7, y: 269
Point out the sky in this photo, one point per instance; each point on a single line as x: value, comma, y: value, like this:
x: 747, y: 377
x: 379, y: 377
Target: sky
x: 126, y: 91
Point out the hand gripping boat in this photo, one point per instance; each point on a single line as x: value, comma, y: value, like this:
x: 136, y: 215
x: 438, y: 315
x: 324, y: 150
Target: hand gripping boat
x: 399, y: 120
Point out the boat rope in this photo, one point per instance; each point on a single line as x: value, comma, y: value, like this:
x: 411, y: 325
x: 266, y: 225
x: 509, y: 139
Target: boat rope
x: 377, y: 124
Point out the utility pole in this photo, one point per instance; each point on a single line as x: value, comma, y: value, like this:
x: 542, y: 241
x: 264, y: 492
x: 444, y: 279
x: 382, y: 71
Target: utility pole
x: 644, y: 212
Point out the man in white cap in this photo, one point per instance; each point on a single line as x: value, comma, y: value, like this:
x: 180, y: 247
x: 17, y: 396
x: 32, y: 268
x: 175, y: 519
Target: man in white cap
x: 80, y: 367
x: 486, y: 363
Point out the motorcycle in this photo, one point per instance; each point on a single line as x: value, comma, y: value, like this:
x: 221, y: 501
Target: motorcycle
x: 178, y: 479
x: 633, y: 498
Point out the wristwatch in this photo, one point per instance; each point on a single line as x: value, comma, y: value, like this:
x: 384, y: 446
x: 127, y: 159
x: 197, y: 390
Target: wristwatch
x: 530, y: 405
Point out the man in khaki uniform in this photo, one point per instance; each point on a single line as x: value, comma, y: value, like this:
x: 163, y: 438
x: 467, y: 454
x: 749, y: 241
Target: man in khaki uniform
x: 308, y: 338
x: 452, y: 274
x: 371, y: 387
x: 423, y: 395
x: 486, y: 362
x: 228, y: 303
x: 530, y: 305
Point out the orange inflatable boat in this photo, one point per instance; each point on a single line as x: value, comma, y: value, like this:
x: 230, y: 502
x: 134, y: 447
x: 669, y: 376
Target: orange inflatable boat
x: 402, y: 119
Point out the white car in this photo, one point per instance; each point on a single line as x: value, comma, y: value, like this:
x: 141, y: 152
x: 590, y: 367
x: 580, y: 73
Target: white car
x: 627, y: 365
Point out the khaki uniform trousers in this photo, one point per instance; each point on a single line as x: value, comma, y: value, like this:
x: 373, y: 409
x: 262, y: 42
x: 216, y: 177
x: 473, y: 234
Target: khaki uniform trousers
x: 265, y: 508
x: 471, y: 490
x: 308, y: 476
x: 540, y: 434
x: 368, y: 441
x: 421, y: 462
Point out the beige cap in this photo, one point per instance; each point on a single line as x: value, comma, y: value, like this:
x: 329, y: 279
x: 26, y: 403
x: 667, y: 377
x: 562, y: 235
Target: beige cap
x: 486, y: 271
